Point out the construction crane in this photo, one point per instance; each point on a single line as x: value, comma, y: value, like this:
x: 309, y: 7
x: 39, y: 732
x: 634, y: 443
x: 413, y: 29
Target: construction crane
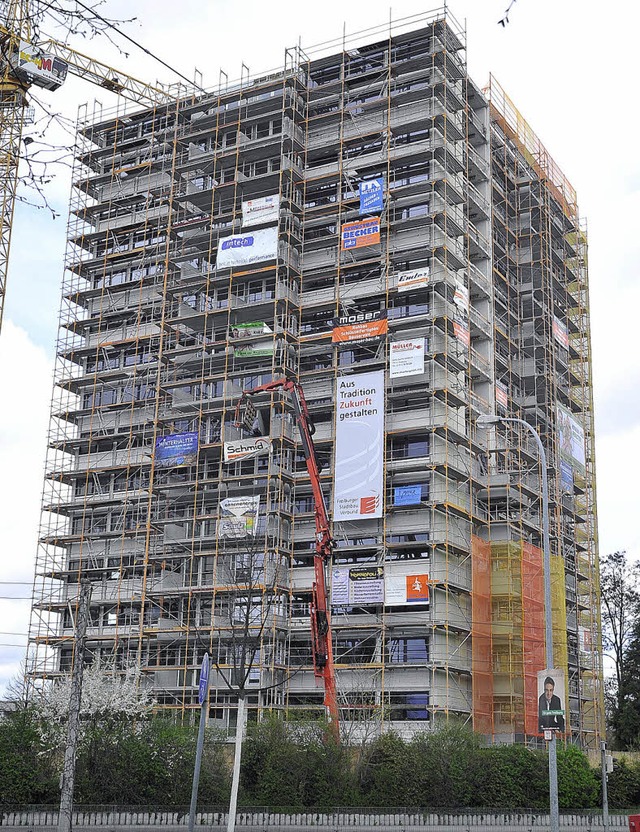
x: 321, y: 644
x: 23, y: 65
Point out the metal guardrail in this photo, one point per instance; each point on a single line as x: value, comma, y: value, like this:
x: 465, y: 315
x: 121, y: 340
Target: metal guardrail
x: 88, y: 817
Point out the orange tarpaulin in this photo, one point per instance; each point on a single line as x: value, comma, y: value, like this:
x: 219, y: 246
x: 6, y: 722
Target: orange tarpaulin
x: 532, y: 631
x: 482, y: 672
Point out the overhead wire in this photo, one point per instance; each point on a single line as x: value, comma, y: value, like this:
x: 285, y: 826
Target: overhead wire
x: 136, y: 43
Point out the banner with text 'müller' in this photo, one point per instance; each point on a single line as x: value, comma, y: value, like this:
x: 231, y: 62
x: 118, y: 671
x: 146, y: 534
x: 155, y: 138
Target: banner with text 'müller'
x: 358, y: 485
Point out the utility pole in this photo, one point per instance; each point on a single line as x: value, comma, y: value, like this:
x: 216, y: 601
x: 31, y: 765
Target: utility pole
x: 605, y: 796
x: 69, y: 766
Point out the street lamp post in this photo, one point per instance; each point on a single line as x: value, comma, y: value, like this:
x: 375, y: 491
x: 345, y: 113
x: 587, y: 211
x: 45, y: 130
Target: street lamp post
x: 487, y: 421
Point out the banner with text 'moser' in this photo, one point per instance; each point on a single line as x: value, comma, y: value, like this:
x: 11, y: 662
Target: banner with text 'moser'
x: 358, y: 485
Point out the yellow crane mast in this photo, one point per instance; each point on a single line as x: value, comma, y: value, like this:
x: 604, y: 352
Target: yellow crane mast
x: 23, y: 65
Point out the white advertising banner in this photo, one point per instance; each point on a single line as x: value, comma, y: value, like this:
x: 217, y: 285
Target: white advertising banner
x: 351, y: 586
x: 244, y: 249
x: 403, y: 588
x: 406, y: 358
x: 238, y: 517
x: 246, y: 448
x: 257, y: 211
x: 461, y: 297
x: 358, y: 485
x: 415, y: 279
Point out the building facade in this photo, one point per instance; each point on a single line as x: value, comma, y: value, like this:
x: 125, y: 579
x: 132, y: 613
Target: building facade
x: 368, y: 219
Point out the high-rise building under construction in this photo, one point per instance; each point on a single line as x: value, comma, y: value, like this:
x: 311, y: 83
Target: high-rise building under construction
x: 370, y: 222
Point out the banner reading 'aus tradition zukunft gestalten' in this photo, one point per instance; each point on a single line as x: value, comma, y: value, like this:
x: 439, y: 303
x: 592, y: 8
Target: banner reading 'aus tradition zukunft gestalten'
x: 358, y: 485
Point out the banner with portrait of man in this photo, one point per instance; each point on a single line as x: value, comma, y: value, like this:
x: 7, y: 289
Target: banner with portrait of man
x: 551, y: 705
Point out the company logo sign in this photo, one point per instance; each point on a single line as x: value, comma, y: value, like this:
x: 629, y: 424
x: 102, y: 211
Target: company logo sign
x: 414, y: 279
x: 238, y: 242
x: 369, y: 505
x: 246, y: 448
x: 417, y: 588
x: 407, y: 495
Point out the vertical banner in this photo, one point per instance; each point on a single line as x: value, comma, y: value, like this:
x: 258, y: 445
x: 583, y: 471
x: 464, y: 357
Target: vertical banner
x: 560, y: 333
x: 370, y: 193
x: 551, y: 710
x: 358, y: 485
x: 502, y: 396
x: 566, y: 477
x: 570, y: 439
x: 461, y: 331
x: 585, y: 640
x: 461, y: 298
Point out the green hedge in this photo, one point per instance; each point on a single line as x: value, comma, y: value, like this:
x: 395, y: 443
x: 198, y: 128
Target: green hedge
x: 298, y: 766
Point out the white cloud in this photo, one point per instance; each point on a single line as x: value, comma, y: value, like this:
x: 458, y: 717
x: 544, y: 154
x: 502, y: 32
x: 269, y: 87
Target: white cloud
x: 618, y: 461
x: 25, y: 381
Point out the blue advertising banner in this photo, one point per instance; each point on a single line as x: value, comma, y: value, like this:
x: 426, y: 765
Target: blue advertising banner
x: 566, y: 477
x: 176, y: 449
x: 371, y: 196
x: 407, y: 495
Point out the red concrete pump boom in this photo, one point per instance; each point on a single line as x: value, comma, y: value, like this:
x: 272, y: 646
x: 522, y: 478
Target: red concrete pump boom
x: 320, y: 616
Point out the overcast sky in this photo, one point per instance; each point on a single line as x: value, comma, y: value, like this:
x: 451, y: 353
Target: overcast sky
x: 571, y: 72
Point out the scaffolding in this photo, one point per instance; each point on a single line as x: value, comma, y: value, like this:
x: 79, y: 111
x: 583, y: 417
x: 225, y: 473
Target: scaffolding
x: 164, y: 325
x: 542, y: 374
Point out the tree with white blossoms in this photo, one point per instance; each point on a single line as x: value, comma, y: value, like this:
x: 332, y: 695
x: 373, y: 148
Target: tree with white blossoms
x: 109, y: 697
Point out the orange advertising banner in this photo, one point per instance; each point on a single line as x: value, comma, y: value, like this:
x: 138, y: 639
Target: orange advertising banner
x: 417, y: 588
x: 360, y: 234
x: 360, y: 332
x: 360, y: 327
x: 461, y: 332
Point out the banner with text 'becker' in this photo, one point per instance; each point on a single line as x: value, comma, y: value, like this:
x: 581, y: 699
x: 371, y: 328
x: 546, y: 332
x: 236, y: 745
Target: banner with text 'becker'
x: 358, y: 486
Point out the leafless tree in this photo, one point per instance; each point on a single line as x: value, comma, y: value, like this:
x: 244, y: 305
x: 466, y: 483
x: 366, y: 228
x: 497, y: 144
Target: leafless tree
x: 48, y: 134
x: 250, y: 579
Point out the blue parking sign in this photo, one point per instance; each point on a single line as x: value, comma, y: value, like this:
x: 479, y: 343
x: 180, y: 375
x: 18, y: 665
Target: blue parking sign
x: 203, y: 687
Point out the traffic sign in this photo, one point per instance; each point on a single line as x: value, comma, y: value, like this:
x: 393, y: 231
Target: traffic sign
x: 204, y: 679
